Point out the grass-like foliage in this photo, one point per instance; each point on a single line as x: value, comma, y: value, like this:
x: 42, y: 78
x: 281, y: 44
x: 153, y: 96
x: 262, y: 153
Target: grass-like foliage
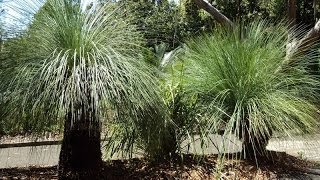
x: 163, y: 127
x: 244, y: 79
x: 167, y: 130
x: 87, y: 58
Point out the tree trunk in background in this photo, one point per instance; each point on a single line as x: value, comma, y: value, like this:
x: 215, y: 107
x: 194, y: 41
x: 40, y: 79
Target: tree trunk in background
x: 215, y: 13
x: 292, y: 15
x: 239, y: 9
x: 305, y: 43
x: 292, y: 12
x: 315, y: 11
x: 298, y: 46
x: 1, y: 44
x: 80, y: 155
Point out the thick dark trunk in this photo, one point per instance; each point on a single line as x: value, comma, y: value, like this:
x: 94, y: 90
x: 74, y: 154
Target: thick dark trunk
x: 170, y: 145
x: 292, y: 12
x: 80, y: 155
x: 253, y: 144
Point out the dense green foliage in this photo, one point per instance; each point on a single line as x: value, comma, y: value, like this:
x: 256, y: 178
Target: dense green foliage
x: 245, y: 81
x: 159, y: 23
x: 164, y: 22
x: 275, y: 10
x: 167, y: 129
x: 250, y: 9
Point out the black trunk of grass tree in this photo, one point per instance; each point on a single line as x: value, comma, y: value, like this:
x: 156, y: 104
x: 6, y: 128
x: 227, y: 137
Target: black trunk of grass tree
x: 80, y: 155
x: 254, y: 144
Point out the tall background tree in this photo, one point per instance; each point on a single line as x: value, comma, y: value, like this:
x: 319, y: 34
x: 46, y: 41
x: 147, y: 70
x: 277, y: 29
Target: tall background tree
x: 157, y: 20
x: 2, y: 30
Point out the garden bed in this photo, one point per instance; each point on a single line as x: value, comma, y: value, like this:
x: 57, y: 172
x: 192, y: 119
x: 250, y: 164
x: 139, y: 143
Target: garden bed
x: 193, y: 167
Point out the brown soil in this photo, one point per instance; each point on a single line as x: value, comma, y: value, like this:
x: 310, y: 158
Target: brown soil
x: 192, y: 167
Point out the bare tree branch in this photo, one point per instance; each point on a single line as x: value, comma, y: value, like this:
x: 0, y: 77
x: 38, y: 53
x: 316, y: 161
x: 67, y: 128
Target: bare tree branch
x: 214, y: 12
x: 295, y: 46
x: 307, y: 41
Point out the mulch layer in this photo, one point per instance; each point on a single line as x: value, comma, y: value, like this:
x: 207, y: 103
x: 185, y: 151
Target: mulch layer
x: 191, y: 168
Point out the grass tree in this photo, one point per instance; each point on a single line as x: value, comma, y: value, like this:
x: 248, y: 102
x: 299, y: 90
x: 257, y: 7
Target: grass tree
x: 87, y: 68
x: 245, y: 79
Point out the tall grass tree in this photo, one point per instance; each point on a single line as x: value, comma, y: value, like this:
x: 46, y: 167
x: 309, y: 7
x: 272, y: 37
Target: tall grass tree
x: 251, y: 86
x: 88, y: 69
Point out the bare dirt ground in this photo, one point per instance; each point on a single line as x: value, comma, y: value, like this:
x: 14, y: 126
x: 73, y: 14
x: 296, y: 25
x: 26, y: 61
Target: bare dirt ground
x: 296, y: 159
x: 193, y: 168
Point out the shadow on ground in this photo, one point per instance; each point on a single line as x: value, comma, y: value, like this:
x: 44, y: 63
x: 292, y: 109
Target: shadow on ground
x: 282, y: 166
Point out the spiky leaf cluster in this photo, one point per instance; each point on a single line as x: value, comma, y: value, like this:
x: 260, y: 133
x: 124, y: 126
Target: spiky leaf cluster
x: 84, y: 58
x: 244, y: 79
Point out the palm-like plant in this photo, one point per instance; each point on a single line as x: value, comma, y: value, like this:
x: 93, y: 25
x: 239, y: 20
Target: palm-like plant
x: 163, y: 128
x: 88, y: 68
x: 155, y: 135
x: 245, y: 77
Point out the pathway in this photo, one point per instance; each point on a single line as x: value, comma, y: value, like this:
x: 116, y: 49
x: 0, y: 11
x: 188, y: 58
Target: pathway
x: 306, y: 148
